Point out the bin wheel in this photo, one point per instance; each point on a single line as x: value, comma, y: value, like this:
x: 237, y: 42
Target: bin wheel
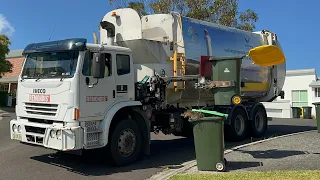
x: 220, y: 167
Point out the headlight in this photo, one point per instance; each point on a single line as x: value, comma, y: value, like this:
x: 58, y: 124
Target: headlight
x: 14, y: 128
x: 58, y: 134
x: 52, y: 133
x: 19, y: 129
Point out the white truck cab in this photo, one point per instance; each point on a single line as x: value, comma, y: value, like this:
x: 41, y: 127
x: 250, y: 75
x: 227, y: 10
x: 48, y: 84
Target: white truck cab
x: 65, y: 90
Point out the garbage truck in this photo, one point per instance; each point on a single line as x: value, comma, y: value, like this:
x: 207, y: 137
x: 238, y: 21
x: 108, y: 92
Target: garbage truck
x: 138, y: 77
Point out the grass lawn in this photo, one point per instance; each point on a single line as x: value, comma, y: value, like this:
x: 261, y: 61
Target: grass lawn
x: 271, y: 175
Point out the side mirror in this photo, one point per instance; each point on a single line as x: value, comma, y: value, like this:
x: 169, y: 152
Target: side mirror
x: 98, y: 65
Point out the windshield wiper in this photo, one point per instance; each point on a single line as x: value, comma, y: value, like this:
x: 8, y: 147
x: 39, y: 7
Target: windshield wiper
x: 62, y: 78
x: 39, y: 77
x: 23, y: 78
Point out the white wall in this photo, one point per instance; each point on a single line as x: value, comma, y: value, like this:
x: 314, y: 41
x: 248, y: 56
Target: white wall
x: 278, y: 109
x: 314, y: 98
x: 299, y: 82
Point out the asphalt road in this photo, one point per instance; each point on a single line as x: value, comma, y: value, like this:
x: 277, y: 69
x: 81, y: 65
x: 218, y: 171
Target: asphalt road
x: 19, y: 161
x: 297, y: 152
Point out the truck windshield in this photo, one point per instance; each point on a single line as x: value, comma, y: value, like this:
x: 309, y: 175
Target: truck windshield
x: 50, y: 65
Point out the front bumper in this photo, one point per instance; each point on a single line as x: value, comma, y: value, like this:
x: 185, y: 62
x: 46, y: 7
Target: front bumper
x: 71, y: 138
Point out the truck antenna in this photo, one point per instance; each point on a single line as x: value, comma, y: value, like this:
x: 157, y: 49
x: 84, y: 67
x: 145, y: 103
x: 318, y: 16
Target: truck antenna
x: 54, y: 27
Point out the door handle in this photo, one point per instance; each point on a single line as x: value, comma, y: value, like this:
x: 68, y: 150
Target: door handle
x: 114, y: 93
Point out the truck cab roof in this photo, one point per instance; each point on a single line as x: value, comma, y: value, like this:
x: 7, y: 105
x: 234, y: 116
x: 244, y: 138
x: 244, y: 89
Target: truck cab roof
x: 79, y: 44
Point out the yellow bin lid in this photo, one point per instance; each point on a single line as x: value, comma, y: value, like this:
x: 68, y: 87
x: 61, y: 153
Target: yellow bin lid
x: 266, y: 55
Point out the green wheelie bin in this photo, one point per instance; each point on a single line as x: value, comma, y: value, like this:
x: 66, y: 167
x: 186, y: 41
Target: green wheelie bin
x: 296, y: 112
x: 317, y: 104
x: 209, y: 143
x: 307, y: 112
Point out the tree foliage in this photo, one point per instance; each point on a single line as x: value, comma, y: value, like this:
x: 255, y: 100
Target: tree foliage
x: 5, y: 66
x: 224, y: 12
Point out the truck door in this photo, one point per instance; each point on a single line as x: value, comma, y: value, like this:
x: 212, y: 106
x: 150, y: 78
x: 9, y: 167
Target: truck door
x: 95, y: 100
x: 124, y: 77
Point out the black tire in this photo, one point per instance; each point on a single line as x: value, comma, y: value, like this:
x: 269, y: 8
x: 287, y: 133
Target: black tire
x: 122, y: 129
x: 232, y: 133
x: 259, y: 122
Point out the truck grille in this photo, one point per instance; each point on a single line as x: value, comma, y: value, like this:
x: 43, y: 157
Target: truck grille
x: 41, y: 109
x: 36, y: 130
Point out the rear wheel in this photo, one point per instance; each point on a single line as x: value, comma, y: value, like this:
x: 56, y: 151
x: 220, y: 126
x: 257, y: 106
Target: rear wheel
x: 237, y: 131
x: 259, y: 122
x: 125, y: 143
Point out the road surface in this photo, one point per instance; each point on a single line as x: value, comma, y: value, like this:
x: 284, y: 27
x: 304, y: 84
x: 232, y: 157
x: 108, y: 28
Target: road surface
x: 296, y: 152
x: 19, y: 161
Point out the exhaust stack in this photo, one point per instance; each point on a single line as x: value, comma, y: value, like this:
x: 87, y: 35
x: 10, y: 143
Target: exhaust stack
x: 95, y: 38
x: 109, y: 27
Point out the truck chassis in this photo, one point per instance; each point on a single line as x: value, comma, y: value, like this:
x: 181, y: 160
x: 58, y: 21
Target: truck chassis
x: 131, y: 126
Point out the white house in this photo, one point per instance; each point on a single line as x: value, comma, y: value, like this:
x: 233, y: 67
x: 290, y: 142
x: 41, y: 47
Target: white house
x: 301, y: 88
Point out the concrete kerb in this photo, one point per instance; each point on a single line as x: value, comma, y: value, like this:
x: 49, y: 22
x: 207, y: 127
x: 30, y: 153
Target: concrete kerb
x: 2, y: 115
x: 187, y: 165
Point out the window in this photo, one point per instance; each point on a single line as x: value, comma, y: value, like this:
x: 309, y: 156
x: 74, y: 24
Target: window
x: 317, y: 92
x: 4, y: 87
x: 123, y: 64
x: 87, y: 65
x: 299, y: 98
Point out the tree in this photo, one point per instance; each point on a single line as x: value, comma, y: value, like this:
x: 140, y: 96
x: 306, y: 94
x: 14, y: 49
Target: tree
x: 5, y: 66
x: 224, y: 12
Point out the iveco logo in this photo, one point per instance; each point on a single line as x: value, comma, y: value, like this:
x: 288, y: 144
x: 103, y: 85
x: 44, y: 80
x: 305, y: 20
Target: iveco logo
x: 42, y: 91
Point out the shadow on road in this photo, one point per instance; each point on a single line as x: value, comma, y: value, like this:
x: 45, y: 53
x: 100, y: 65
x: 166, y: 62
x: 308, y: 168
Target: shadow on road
x: 273, y: 153
x: 164, y: 153
x: 236, y: 165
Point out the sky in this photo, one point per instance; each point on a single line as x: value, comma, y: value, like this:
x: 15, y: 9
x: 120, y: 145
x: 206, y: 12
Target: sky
x: 296, y: 23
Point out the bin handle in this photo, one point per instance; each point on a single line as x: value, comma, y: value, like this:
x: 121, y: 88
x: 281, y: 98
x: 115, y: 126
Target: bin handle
x: 216, y: 113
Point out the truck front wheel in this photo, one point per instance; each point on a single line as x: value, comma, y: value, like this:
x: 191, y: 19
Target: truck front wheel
x: 125, y: 143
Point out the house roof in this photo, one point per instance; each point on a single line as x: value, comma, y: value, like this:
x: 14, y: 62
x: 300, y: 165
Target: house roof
x: 16, y: 58
x: 14, y: 53
x: 315, y: 83
x: 9, y: 79
x: 17, y: 63
x: 301, y: 72
x: 16, y: 67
